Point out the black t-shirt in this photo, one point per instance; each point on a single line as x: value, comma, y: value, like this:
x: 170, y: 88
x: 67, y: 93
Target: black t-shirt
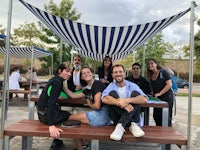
x: 90, y: 92
x: 158, y: 84
x: 142, y: 82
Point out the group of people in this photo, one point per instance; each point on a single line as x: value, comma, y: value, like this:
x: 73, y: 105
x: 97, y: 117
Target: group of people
x: 15, y: 78
x: 115, y: 99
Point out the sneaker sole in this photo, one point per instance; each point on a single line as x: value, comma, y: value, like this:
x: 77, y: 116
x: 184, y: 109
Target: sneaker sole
x: 114, y: 138
x: 139, y: 135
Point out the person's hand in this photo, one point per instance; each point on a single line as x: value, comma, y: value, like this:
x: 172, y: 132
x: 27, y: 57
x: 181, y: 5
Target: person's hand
x: 104, y: 81
x: 54, y: 131
x: 122, y: 103
x: 129, y: 108
x: 157, y: 94
x: 78, y: 88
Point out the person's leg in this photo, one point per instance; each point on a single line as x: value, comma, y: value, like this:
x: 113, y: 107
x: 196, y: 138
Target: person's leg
x: 26, y: 87
x: 133, y: 116
x: 114, y: 111
x: 80, y: 117
x: 157, y: 115
x: 78, y: 143
x: 10, y: 97
x: 98, y: 117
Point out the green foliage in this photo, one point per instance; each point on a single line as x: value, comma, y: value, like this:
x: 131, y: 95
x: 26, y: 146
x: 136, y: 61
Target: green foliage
x: 25, y: 35
x: 196, y: 49
x: 155, y: 47
x: 52, y: 42
x: 92, y: 64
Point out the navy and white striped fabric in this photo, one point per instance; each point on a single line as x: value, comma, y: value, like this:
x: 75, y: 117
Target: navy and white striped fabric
x: 26, y: 52
x: 96, y: 42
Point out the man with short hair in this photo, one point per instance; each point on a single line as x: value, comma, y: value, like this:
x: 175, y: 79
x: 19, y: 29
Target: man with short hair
x: 75, y: 83
x: 124, y: 99
x: 138, y: 79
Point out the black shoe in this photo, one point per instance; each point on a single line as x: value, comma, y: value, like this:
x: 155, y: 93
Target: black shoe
x: 56, y: 144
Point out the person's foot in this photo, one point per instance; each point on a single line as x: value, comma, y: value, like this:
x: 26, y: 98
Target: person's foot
x: 118, y: 132
x: 136, y: 130
x: 56, y: 144
x: 17, y: 95
x: 84, y: 147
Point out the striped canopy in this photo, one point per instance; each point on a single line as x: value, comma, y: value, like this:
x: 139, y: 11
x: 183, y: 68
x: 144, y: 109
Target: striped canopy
x: 26, y: 52
x: 96, y: 42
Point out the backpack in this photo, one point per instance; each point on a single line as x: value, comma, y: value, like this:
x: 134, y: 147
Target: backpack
x: 174, y: 85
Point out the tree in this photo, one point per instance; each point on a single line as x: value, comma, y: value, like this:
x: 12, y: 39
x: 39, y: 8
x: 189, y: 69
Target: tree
x: 26, y: 34
x: 196, y: 49
x: 155, y: 47
x: 53, y: 43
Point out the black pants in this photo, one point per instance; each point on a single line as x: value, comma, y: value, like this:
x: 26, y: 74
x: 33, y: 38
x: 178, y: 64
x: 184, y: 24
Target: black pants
x: 157, y: 112
x: 59, y: 116
x: 119, y: 115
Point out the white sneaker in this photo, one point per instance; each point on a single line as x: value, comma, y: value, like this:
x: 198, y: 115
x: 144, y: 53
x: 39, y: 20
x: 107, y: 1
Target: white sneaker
x: 118, y: 132
x: 136, y: 130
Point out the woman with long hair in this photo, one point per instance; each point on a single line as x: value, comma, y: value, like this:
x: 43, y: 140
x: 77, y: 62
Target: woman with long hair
x: 105, y: 71
x: 161, y: 84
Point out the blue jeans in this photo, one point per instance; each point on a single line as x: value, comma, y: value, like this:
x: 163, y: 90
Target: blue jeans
x: 99, y: 117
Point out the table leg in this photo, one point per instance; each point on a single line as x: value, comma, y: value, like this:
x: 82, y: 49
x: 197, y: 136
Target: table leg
x: 31, y: 110
x: 146, y: 115
x: 165, y: 116
x: 94, y: 144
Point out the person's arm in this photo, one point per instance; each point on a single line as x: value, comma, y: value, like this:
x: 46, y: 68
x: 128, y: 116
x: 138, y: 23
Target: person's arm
x: 165, y: 89
x: 70, y: 93
x: 109, y: 100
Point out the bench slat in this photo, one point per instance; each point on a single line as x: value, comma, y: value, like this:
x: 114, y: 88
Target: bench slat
x: 153, y: 134
x: 21, y: 91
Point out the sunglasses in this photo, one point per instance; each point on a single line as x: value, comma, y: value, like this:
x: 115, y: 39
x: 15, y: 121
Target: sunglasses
x: 135, y: 68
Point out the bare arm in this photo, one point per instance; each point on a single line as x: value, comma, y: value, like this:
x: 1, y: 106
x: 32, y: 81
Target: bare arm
x: 110, y: 100
x: 71, y: 94
x: 165, y: 89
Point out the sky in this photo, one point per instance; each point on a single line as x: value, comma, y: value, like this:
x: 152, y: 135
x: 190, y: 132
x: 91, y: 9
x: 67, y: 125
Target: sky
x: 115, y: 13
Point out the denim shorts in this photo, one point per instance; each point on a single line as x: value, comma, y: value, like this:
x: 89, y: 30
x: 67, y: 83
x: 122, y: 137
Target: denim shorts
x: 99, y: 117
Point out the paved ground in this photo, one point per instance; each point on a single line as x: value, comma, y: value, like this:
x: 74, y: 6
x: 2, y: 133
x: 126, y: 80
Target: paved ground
x: 18, y: 110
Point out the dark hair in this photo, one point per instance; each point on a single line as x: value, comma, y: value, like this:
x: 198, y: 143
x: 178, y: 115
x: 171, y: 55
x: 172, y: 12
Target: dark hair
x: 62, y: 67
x: 110, y: 67
x: 86, y: 67
x: 136, y: 64
x: 33, y: 70
x: 150, y: 72
x: 13, y: 69
x: 118, y: 65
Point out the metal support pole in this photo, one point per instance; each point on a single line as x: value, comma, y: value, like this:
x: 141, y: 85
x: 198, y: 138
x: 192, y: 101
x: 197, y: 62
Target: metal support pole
x: 190, y: 74
x: 6, y: 73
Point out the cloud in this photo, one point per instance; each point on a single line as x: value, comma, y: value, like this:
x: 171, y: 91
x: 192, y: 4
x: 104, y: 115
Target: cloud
x: 114, y: 13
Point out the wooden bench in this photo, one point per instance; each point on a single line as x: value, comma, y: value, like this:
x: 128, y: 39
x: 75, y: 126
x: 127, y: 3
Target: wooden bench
x: 33, y: 128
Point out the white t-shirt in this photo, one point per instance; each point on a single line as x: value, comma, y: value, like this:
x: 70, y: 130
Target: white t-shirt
x: 14, y: 81
x: 122, y: 92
